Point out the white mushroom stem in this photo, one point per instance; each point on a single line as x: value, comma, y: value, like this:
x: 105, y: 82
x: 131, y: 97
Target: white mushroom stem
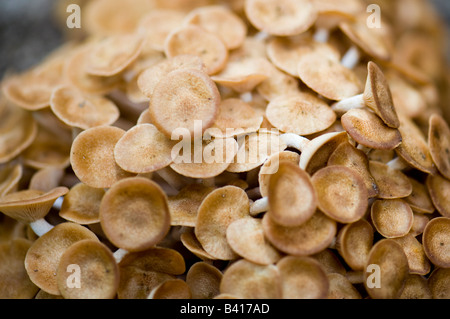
x: 259, y: 206
x: 41, y: 227
x: 119, y: 254
x: 345, y: 105
x: 363, y: 148
x: 351, y: 58
x: 332, y: 244
x: 262, y: 36
x: 246, y: 97
x: 58, y: 203
x: 321, y: 35
x: 294, y: 141
x: 397, y: 164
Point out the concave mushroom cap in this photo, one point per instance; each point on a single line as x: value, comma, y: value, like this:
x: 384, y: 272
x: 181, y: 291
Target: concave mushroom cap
x: 204, y: 280
x: 82, y: 204
x: 439, y: 144
x: 327, y: 76
x: 92, y: 156
x: 377, y: 96
x: 354, y: 242
x: 330, y: 262
x: 134, y: 214
x: 246, y: 237
x: 278, y: 83
x: 247, y: 280
x: 420, y: 199
x: 77, y: 110
x: 341, y: 287
x: 10, y: 175
x: 392, y: 218
x: 291, y: 195
x: 414, y: 147
x: 99, y: 271
x: 416, y: 287
x: 271, y: 166
x: 221, y: 21
x: 366, y: 128
x: 28, y: 206
x: 217, y: 211
x: 302, y: 114
x: 190, y: 241
x: 181, y: 98
x: 43, y: 257
x: 436, y: 241
x: 439, y: 283
x: 13, y: 277
x: 281, y: 18
x: 393, y: 270
x: 348, y: 155
x: 307, y: 239
x: 392, y: 183
x: 171, y: 289
x: 143, y: 149
x: 45, y: 179
x: 149, y: 78
x: 341, y: 193
x: 419, y: 224
x: 191, y: 39
x: 439, y: 189
x: 302, y: 278
x: 417, y: 260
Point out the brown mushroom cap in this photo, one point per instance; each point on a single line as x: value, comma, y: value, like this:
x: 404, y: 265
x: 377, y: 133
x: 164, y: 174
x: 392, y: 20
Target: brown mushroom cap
x: 439, y: 189
x: 10, y: 175
x: 354, y: 242
x: 393, y: 270
x: 439, y: 283
x: 368, y: 129
x: 46, y: 179
x: 217, y: 211
x: 204, y: 280
x: 330, y: 262
x: 281, y: 18
x: 77, y: 110
x: 98, y: 269
x: 416, y: 287
x: 247, y: 280
x: 171, y: 289
x: 392, y: 218
x: 302, y: 114
x: 28, y: 206
x: 43, y: 257
x: 341, y: 193
x: 302, y: 278
x: 191, y: 39
x: 246, y: 237
x: 14, y: 279
x: 291, y: 194
x: 392, y: 183
x: 417, y: 260
x: 190, y: 241
x: 439, y: 144
x: 134, y: 214
x: 419, y: 224
x: 419, y: 200
x: 308, y: 239
x: 436, y: 241
x: 181, y: 98
x: 278, y: 83
x: 82, y: 204
x: 92, y: 156
x: 341, y: 288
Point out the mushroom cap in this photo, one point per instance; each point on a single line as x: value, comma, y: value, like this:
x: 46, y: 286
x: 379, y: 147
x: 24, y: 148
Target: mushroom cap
x: 302, y: 114
x: 377, y: 96
x: 246, y: 237
x: 420, y: 199
x: 181, y: 98
x: 248, y: 280
x: 439, y: 283
x: 330, y: 262
x: 341, y: 193
x: 10, y: 175
x: 46, y: 179
x: 354, y: 242
x: 307, y: 239
x: 92, y: 156
x: 439, y: 189
x: 191, y: 39
x: 281, y: 18
x: 82, y: 204
x: 392, y: 183
x: 366, y: 128
x: 341, y: 287
x: 43, y: 257
x: 419, y: 224
x: 302, y: 278
x: 439, y: 144
x: 204, y: 280
x: 99, y: 271
x: 416, y: 287
x: 77, y: 110
x: 190, y: 241
x: 392, y: 218
x: 436, y: 241
x: 417, y: 260
x: 171, y: 289
x: 217, y: 211
x: 291, y: 195
x: 393, y: 270
x: 278, y: 83
x: 134, y: 214
x: 28, y: 206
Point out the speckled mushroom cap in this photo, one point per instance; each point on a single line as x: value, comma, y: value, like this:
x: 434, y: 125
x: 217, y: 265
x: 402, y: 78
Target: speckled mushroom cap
x: 171, y: 289
x: 416, y: 287
x: 392, y: 183
x: 134, y: 214
x: 436, y: 241
x: 341, y: 287
x: 204, y: 280
x: 439, y: 190
x: 392, y: 218
x: 417, y: 260
x: 10, y: 175
x: 439, y: 281
x: 420, y: 199
x: 439, y: 144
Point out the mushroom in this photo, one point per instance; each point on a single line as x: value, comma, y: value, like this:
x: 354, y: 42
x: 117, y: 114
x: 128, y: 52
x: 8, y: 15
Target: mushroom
x: 171, y: 289
x: 419, y: 224
x: 392, y: 183
x: 392, y: 218
x: 439, y: 281
x: 341, y: 288
x: 10, y: 175
x: 435, y: 240
x: 190, y: 241
x: 439, y: 144
x: 330, y: 261
x: 416, y: 287
x: 439, y: 189
x: 204, y: 280
x: 419, y: 200
x: 417, y: 260
x: 46, y: 179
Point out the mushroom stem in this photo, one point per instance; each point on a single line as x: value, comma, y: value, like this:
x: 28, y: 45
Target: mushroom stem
x: 397, y: 164
x: 246, y: 97
x: 58, y: 202
x: 321, y: 35
x: 259, y: 206
x: 345, y: 105
x: 41, y: 227
x: 351, y: 58
x: 262, y: 36
x: 119, y: 254
x: 363, y: 148
x: 294, y: 141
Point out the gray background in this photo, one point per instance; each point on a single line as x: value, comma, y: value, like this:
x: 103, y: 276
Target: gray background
x: 28, y: 31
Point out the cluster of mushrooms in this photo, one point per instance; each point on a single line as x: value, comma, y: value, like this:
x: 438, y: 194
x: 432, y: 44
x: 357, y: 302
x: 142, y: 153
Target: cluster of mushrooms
x: 351, y: 199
